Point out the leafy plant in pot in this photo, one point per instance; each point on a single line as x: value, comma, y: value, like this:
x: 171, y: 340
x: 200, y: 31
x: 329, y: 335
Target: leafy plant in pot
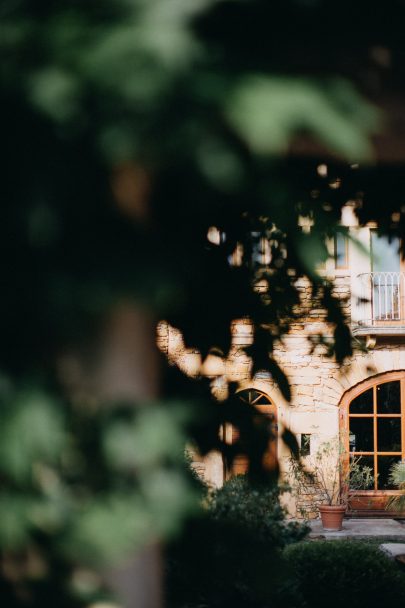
x: 327, y: 476
x: 397, y: 478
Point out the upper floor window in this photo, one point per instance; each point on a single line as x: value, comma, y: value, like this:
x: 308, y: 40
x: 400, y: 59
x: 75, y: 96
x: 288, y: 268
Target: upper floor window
x: 385, y: 255
x: 341, y: 251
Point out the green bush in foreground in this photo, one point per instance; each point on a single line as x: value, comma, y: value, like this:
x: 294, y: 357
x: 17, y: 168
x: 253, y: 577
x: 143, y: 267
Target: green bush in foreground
x: 233, y: 555
x: 255, y: 508
x: 345, y: 573
x: 244, y: 554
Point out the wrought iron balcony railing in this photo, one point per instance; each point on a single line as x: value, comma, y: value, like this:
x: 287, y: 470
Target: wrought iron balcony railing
x: 381, y: 301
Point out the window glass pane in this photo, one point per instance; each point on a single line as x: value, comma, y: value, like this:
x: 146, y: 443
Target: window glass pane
x: 389, y: 435
x: 389, y: 398
x: 384, y: 254
x: 305, y: 444
x: 260, y: 399
x: 254, y: 397
x: 384, y: 465
x: 363, y: 404
x: 341, y: 260
x: 361, y: 432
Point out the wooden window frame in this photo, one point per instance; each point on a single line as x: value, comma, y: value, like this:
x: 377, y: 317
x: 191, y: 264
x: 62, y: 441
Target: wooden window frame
x: 376, y: 495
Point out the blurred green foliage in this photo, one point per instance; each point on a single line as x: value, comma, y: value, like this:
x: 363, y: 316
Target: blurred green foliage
x: 81, y: 490
x: 268, y: 112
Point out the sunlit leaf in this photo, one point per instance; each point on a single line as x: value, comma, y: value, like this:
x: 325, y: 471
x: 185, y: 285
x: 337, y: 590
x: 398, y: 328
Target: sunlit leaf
x: 268, y: 111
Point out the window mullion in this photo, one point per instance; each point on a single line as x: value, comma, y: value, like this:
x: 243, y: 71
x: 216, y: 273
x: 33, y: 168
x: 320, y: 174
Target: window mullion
x: 375, y: 437
x: 402, y: 397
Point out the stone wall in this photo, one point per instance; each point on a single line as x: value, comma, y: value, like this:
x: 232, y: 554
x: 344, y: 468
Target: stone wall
x: 317, y: 382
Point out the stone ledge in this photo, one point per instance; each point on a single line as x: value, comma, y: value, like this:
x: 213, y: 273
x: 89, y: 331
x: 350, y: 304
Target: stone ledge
x: 384, y: 529
x: 393, y: 550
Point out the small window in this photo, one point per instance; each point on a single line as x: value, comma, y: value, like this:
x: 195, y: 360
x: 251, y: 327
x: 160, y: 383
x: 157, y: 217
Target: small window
x: 341, y: 251
x: 305, y: 449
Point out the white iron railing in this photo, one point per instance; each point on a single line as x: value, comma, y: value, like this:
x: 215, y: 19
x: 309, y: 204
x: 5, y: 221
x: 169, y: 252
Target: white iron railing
x: 381, y: 300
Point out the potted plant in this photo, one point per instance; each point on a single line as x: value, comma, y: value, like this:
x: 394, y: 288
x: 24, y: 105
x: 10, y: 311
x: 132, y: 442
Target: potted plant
x: 397, y: 478
x: 326, y: 477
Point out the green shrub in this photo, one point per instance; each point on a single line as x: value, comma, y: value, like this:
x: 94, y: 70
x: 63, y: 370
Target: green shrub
x: 397, y: 479
x: 242, y: 554
x: 345, y: 573
x: 233, y: 555
x: 255, y: 508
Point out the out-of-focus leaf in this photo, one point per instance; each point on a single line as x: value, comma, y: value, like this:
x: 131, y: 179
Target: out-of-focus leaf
x: 56, y: 93
x: 268, y: 111
x: 343, y: 342
x: 280, y: 378
x: 312, y: 250
x: 108, y: 529
x: 170, y: 498
x: 14, y: 520
x: 154, y: 436
x: 260, y: 350
x: 31, y: 430
x: 291, y: 442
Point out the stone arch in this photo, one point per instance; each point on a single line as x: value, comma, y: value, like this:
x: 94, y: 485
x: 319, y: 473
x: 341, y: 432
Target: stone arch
x: 364, y: 366
x: 265, y: 386
x: 274, y: 394
x: 363, y: 385
x: 360, y: 369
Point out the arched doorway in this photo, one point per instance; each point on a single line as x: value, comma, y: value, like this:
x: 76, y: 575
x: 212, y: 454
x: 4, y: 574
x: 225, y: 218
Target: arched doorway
x: 373, y: 431
x: 264, y: 407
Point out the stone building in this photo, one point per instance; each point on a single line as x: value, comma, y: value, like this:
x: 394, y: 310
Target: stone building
x: 361, y: 402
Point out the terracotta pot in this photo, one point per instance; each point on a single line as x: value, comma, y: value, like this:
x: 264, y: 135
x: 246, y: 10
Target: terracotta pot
x: 332, y: 516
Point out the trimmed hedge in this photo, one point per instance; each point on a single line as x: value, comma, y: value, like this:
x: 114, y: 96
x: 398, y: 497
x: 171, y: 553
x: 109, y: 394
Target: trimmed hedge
x: 345, y: 574
x: 243, y: 554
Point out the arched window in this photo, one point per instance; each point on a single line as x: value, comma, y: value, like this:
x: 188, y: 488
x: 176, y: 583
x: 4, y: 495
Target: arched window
x: 376, y: 428
x: 264, y: 407
x: 373, y: 431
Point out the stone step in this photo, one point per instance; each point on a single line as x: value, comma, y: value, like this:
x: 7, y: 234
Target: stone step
x: 394, y: 551
x: 381, y: 528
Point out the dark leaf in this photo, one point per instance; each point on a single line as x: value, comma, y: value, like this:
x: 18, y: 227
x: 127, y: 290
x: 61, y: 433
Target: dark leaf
x: 281, y: 379
x: 291, y: 442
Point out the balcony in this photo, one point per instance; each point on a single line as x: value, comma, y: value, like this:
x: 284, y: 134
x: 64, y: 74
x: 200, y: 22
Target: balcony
x: 381, y: 304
